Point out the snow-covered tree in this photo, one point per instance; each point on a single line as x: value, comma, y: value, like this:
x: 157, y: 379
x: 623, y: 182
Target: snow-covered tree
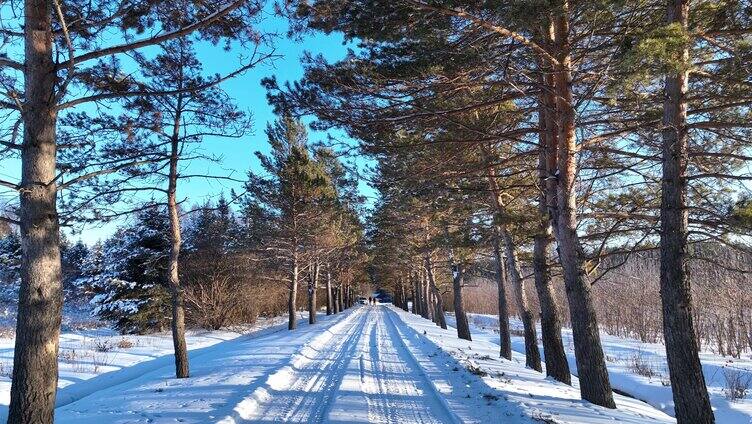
x: 127, y: 276
x: 72, y: 257
x: 10, y: 261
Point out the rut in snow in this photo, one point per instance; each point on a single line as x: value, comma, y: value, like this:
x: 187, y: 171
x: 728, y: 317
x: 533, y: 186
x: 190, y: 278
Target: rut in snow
x: 364, y: 373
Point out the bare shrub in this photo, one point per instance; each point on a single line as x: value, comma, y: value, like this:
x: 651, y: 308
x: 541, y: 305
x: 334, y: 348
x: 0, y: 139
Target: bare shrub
x: 627, y: 298
x: 639, y: 365
x: 103, y: 345
x: 480, y: 296
x: 7, y: 332
x: 124, y: 343
x: 67, y: 355
x: 224, y: 290
x: 737, y: 384
x: 100, y: 359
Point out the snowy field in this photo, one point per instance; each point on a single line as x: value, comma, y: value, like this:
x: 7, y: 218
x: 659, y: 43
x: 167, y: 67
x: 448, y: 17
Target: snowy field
x: 625, y: 356
x: 93, y: 358
x: 369, y: 364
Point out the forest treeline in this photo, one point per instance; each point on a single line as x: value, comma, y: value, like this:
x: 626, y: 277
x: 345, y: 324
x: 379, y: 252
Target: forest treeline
x: 544, y: 144
x: 627, y: 300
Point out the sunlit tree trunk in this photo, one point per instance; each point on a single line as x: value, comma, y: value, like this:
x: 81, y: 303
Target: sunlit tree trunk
x: 557, y: 365
x: 312, y: 288
x: 532, y: 354
x: 292, y: 322
x: 458, y: 280
x: 329, y: 300
x: 595, y: 386
x: 505, y: 339
x: 690, y: 393
x: 439, y: 302
x: 176, y: 291
x: 35, y: 369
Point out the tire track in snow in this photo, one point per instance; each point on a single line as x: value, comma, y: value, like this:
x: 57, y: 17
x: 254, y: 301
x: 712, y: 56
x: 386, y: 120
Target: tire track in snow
x: 409, y: 356
x: 250, y: 406
x: 402, y: 394
x: 303, y: 390
x: 359, y: 374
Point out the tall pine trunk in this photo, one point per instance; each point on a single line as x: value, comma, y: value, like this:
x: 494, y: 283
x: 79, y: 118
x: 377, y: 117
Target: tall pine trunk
x: 340, y: 300
x: 313, y: 282
x: 553, y: 347
x: 691, y: 401
x: 505, y: 339
x: 292, y: 322
x: 439, y: 302
x: 425, y: 306
x: 329, y: 300
x: 458, y: 280
x: 557, y: 365
x: 414, y: 295
x: 595, y: 386
x: 35, y: 369
x: 532, y: 354
x: 335, y: 300
x: 176, y: 291
x: 417, y: 301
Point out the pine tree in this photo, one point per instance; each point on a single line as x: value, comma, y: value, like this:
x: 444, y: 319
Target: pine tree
x: 292, y: 192
x: 128, y: 276
x: 72, y: 259
x: 10, y: 259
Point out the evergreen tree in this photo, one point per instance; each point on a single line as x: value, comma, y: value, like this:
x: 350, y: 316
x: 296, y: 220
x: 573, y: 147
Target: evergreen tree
x: 10, y: 259
x: 127, y: 277
x: 293, y: 192
x: 72, y: 260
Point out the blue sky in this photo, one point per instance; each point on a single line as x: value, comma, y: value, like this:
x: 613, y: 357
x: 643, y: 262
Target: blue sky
x: 237, y: 154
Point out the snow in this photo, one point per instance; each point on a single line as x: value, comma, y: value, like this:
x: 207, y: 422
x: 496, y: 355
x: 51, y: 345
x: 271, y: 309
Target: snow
x: 514, y: 390
x: 95, y: 359
x: 369, y: 364
x: 621, y: 354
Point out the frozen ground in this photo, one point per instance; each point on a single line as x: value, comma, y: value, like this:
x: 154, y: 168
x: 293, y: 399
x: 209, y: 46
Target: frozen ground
x: 370, y: 364
x: 622, y: 354
x: 93, y: 357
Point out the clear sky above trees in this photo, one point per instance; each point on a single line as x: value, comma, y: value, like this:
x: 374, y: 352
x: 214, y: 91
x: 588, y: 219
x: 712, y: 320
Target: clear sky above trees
x: 237, y: 154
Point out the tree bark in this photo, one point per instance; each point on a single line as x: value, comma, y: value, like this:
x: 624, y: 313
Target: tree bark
x: 35, y: 369
x: 405, y: 306
x: 691, y: 401
x: 312, y: 287
x: 439, y: 302
x: 595, y: 386
x: 178, y: 302
x: 329, y: 300
x: 425, y: 307
x: 292, y: 322
x: 532, y: 354
x: 458, y: 279
x: 553, y: 347
x: 417, y: 301
x: 557, y: 365
x: 505, y: 339
x: 340, y: 300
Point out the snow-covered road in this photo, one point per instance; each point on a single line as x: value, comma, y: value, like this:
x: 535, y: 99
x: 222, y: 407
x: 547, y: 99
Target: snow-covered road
x: 373, y: 364
x: 363, y: 373
x: 352, y: 367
